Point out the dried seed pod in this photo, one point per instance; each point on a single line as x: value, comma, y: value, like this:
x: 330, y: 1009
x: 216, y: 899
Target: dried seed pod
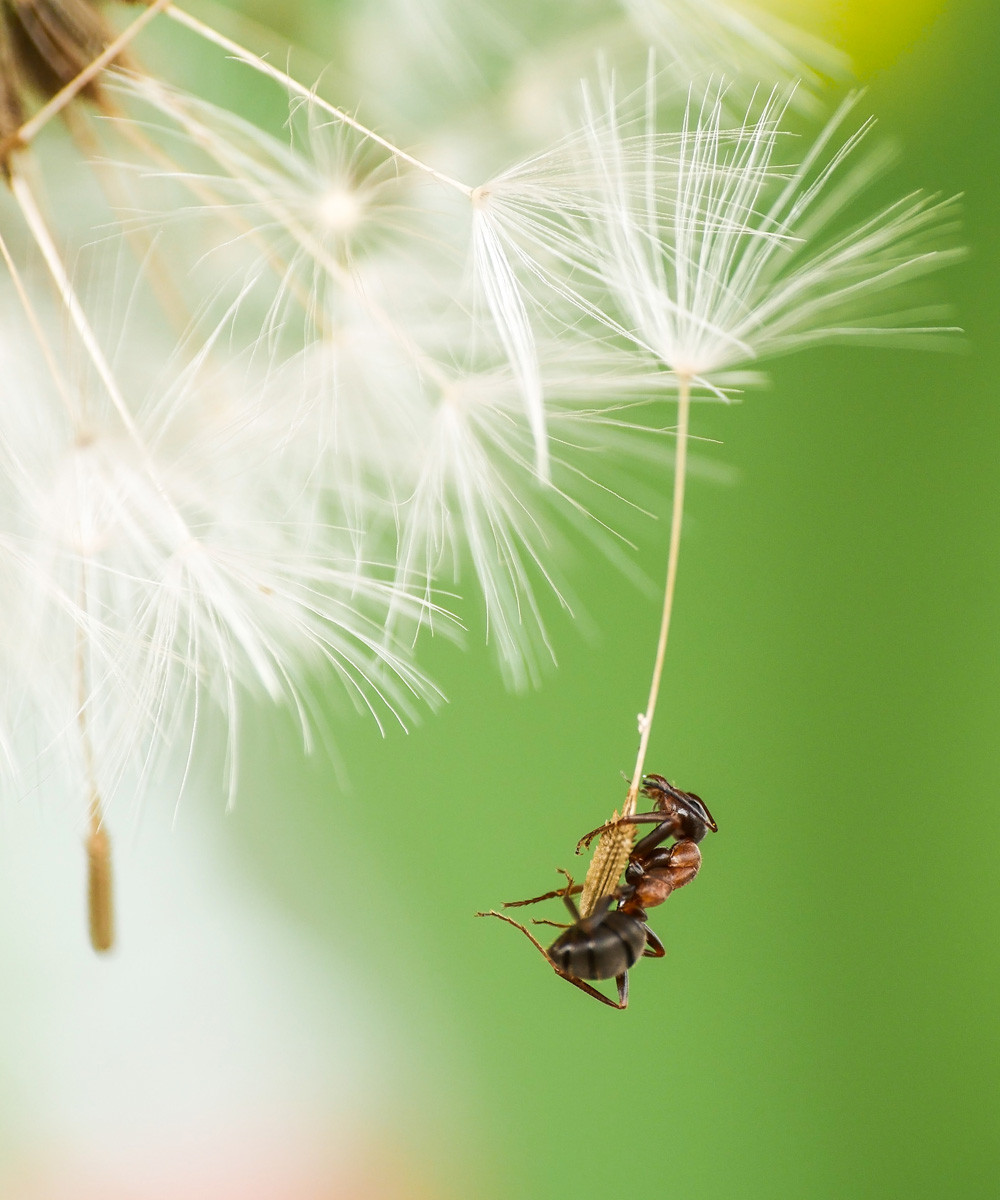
x: 606, y: 867
x: 44, y: 45
x: 11, y: 109
x: 54, y: 40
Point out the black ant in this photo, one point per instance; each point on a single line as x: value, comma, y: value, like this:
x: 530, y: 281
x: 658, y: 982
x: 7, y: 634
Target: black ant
x: 606, y: 943
x: 603, y: 945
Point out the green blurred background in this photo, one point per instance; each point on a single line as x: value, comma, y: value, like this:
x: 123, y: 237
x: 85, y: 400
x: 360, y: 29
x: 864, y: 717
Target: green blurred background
x: 302, y: 1004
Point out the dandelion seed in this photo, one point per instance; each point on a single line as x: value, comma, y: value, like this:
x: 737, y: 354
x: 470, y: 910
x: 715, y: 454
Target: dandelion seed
x: 716, y: 253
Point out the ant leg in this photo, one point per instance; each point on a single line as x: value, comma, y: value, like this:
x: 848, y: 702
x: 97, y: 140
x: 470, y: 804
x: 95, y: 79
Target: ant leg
x: 622, y: 981
x: 591, y: 991
x: 571, y: 889
x: 584, y: 987
x: 654, y: 947
x: 554, y: 924
x: 667, y: 828
x: 577, y: 887
x: 656, y: 818
x: 517, y: 925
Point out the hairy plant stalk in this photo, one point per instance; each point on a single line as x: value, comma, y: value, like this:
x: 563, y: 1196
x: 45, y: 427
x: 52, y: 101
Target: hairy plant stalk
x: 615, y: 844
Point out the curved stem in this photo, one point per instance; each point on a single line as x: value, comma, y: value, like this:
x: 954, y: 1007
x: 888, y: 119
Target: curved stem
x: 615, y: 845
x: 676, y: 518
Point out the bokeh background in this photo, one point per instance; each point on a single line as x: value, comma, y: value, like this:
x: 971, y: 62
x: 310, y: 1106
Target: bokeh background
x: 302, y: 1005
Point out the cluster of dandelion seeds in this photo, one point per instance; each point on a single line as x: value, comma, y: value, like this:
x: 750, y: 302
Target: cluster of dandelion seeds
x: 277, y: 401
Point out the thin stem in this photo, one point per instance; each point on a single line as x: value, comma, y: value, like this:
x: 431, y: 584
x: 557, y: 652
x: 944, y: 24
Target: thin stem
x: 72, y: 406
x: 615, y: 845
x: 30, y: 129
x: 676, y: 518
x: 67, y: 294
x: 293, y: 85
x: 100, y: 897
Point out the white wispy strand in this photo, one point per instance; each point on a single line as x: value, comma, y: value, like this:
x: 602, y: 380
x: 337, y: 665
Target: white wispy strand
x: 504, y: 298
x: 391, y: 344
x: 192, y: 565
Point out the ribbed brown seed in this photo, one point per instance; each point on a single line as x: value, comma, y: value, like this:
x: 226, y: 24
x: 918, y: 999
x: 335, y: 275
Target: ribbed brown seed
x: 100, y: 895
x: 610, y: 857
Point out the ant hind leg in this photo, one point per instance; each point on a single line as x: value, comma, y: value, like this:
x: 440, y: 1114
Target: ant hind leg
x: 517, y: 925
x: 580, y: 983
x: 622, y: 981
x: 592, y: 991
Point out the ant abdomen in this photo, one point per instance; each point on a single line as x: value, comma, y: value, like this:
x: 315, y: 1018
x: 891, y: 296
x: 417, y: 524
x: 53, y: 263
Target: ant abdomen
x: 604, y: 952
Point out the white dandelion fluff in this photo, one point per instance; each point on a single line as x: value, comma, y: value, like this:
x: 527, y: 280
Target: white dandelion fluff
x: 387, y: 384
x: 718, y: 246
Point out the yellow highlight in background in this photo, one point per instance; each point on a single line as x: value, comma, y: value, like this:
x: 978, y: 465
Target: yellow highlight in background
x: 873, y: 32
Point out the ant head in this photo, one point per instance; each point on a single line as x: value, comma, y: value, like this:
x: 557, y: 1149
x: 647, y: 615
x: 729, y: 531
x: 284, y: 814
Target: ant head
x: 672, y: 800
x: 700, y: 809
x: 662, y: 792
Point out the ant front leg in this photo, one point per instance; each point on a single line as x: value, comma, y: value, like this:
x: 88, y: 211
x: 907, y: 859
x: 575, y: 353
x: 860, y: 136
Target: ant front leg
x: 571, y: 889
x: 654, y: 818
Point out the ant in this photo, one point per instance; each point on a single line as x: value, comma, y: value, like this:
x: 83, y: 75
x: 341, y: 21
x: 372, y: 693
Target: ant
x: 607, y: 943
x: 603, y: 945
x: 653, y: 870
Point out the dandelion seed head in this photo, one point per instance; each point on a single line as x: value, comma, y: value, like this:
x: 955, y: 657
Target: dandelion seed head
x: 378, y: 395
x: 714, y: 249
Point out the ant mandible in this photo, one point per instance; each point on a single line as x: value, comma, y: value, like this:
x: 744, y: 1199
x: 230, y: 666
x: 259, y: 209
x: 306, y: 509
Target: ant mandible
x: 607, y: 943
